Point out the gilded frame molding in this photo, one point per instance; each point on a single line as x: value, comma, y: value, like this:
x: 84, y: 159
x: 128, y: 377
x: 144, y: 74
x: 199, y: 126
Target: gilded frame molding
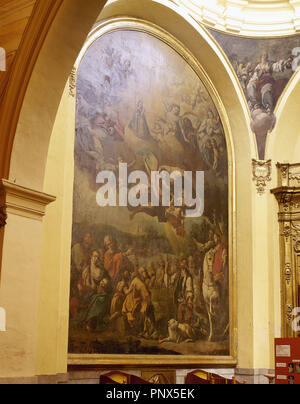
x: 142, y: 361
x: 288, y: 198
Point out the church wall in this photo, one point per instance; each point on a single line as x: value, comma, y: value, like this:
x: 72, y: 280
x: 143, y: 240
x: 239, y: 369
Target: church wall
x: 41, y: 346
x: 21, y: 260
x: 19, y: 296
x: 56, y: 241
x: 281, y: 146
x: 244, y: 276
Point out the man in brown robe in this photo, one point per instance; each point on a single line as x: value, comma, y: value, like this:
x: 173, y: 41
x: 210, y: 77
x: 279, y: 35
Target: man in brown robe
x: 137, y: 305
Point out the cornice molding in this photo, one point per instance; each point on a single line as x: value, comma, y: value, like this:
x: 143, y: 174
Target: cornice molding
x: 22, y: 201
x: 289, y: 203
x: 288, y: 191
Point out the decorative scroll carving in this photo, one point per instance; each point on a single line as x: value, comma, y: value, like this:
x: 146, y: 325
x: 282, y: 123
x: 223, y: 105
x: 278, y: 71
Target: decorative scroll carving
x: 284, y: 171
x: 72, y: 82
x: 262, y: 171
x: 288, y: 197
x: 289, y: 311
x: 286, y: 231
x: 296, y: 237
x: 288, y: 272
x: 293, y: 174
x: 295, y: 177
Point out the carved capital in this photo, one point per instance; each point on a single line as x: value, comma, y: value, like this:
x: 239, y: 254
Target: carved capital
x: 262, y: 171
x: 288, y: 174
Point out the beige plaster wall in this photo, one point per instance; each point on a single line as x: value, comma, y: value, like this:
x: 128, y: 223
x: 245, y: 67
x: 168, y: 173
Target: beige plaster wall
x: 19, y: 295
x: 53, y: 315
x: 282, y: 143
x: 283, y: 146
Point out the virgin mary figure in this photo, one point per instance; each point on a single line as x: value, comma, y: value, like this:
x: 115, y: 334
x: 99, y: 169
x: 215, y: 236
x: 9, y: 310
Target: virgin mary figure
x: 139, y: 124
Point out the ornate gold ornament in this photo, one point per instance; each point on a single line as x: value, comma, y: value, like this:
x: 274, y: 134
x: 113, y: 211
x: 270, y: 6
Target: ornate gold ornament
x: 288, y: 272
x: 284, y: 170
x: 296, y: 237
x: 288, y: 197
x: 289, y: 311
x: 262, y: 171
x: 295, y: 177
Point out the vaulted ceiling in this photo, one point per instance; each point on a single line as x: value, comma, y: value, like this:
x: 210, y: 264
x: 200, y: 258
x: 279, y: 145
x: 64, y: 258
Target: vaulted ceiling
x: 24, y: 25
x: 14, y: 17
x: 247, y: 17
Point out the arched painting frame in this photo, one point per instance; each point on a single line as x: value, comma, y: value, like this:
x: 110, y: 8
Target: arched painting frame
x: 183, y: 360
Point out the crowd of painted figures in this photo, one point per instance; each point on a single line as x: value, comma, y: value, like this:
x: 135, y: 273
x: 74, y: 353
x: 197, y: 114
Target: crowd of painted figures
x: 113, y: 286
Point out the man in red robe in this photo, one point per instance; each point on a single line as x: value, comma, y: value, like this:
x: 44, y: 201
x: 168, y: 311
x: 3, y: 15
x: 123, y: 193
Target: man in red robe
x: 115, y: 262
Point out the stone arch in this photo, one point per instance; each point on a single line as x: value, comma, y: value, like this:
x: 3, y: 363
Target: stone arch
x: 58, y: 56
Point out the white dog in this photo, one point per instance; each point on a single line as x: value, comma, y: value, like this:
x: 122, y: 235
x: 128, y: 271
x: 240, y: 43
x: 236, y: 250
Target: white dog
x: 179, y: 333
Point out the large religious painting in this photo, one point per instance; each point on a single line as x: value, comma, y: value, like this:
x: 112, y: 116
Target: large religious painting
x: 264, y: 68
x: 150, y: 264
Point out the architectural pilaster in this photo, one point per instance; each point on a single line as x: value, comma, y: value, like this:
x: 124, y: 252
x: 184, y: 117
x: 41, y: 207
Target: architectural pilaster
x: 24, y: 210
x: 288, y: 197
